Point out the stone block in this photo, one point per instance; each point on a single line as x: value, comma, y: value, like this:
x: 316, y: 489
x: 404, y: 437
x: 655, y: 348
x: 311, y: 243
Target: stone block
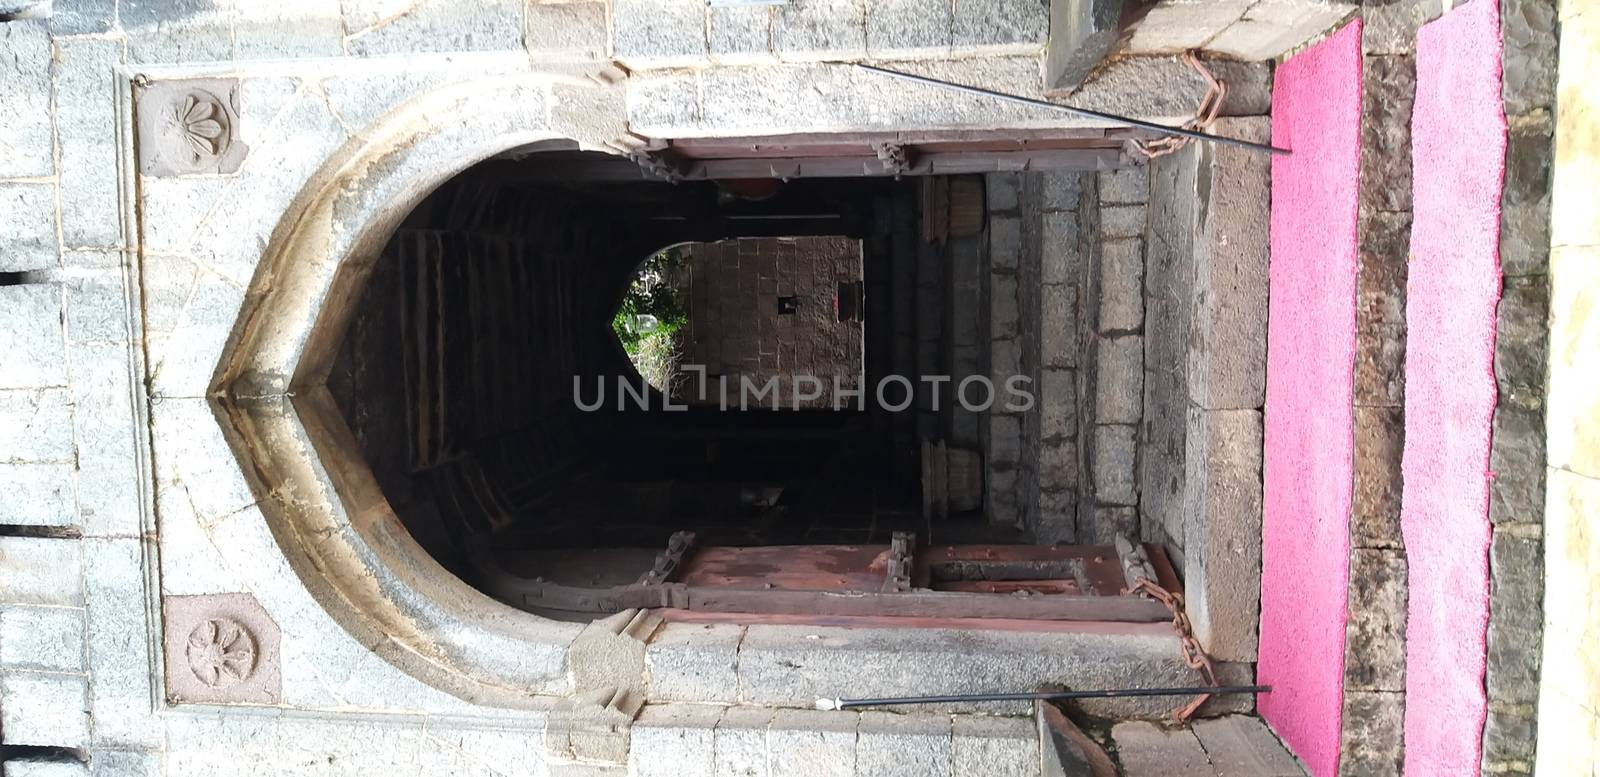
x: 26, y: 768
x: 673, y: 739
x: 1108, y: 524
x: 46, y: 639
x: 41, y: 570
x: 32, y: 349
x: 221, y: 648
x: 740, y: 34
x: 1385, y: 251
x: 298, y: 29
x: 1508, y: 737
x: 1371, y: 742
x: 1002, y: 747
x: 1059, y: 249
x: 109, y: 439
x: 1121, y: 274
x: 1058, y: 404
x: 1001, y: 191
x: 914, y: 744
x: 1082, y: 34
x: 819, y: 30
x: 173, y: 32
x: 96, y: 307
x: 189, y: 448
x: 1375, y: 633
x: 1119, y: 379
x: 1573, y: 444
x: 1124, y: 186
x: 1114, y: 461
x: 1388, y: 88
x: 1379, y: 441
x: 1005, y: 242
x: 1243, y: 745
x: 44, y: 709
x: 1180, y: 25
x: 1003, y: 304
x: 1525, y: 201
x: 29, y: 229
x: 1005, y: 439
x: 1146, y: 749
x: 1521, y: 323
x: 1001, y: 26
x: 36, y: 425
x: 1380, y: 378
x: 88, y: 137
x: 1516, y: 610
x: 1227, y: 360
x: 25, y: 137
x: 1273, y: 28
x: 1577, y: 150
x: 568, y: 31
x: 910, y: 28
x: 1516, y: 457
x: 37, y: 494
x: 1390, y: 28
x: 77, y: 17
x: 740, y: 742
x: 119, y: 632
x: 1061, y: 190
x: 1222, y: 531
x: 1057, y: 519
x: 694, y: 662
x: 1058, y: 325
x: 206, y: 141
x: 812, y: 743
x: 436, y: 26
x: 1528, y: 61
x: 1122, y: 221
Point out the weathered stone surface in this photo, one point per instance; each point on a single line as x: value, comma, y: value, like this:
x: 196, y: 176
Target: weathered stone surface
x: 1516, y: 457
x: 1122, y: 221
x: 1577, y: 149
x: 1180, y: 25
x: 220, y: 649
x: 96, y: 308
x: 673, y: 739
x: 108, y: 437
x: 1574, y: 443
x: 1003, y: 747
x: 1110, y: 523
x: 903, y: 745
x: 1380, y: 366
x: 1114, y: 476
x: 1147, y: 750
x: 1390, y: 27
x: 1222, y: 532
x: 1375, y: 643
x: 294, y: 29
x: 1082, y: 34
x: 1059, y: 250
x: 32, y: 768
x: 37, y: 494
x: 75, y: 17
x: 1121, y: 276
x: 166, y: 148
x: 568, y: 30
x: 1525, y: 201
x: 119, y: 650
x: 1388, y: 88
x: 1124, y: 186
x: 1057, y: 519
x: 1569, y: 731
x: 32, y: 351
x: 44, y: 708
x: 740, y: 742
x: 25, y: 136
x: 1516, y: 611
x: 1508, y: 741
x: 1385, y: 251
x: 435, y: 26
x: 29, y: 229
x: 1521, y: 323
x: 1370, y: 743
x: 908, y: 28
x: 1058, y: 465
x: 658, y: 33
x: 1272, y: 28
x: 36, y: 425
x: 1061, y: 191
x: 40, y: 570
x: 1005, y: 242
x: 1243, y: 745
x: 740, y: 34
x: 1119, y: 379
x: 694, y: 662
x: 1058, y: 404
x: 812, y: 743
x: 169, y: 32
x: 1227, y: 353
x: 1379, y: 442
x: 1528, y: 60
x: 48, y: 639
x: 1021, y: 26
x: 1005, y: 361
x: 1000, y: 191
x: 813, y: 30
x: 1005, y: 439
x: 1058, y: 331
x: 1003, y: 305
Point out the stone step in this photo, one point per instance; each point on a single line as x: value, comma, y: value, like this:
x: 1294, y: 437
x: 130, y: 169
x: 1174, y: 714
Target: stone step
x: 1231, y: 746
x: 706, y: 739
x: 794, y: 666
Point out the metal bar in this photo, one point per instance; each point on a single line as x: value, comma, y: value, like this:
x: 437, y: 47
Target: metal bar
x: 844, y: 704
x: 1150, y: 125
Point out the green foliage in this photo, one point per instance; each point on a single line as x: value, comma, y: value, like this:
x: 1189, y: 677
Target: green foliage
x: 651, y: 298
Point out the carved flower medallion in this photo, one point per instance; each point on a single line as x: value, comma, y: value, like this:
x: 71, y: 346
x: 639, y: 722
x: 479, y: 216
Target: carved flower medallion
x: 221, y: 652
x: 196, y: 128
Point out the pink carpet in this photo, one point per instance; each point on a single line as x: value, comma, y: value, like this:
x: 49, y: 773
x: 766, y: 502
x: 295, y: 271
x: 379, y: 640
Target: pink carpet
x: 1309, y: 424
x: 1458, y: 132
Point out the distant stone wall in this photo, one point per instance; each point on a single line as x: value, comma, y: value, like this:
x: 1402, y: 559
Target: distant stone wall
x: 735, y: 329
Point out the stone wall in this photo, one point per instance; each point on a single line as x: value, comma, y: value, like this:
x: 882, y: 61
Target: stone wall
x: 1114, y: 314
x: 734, y: 327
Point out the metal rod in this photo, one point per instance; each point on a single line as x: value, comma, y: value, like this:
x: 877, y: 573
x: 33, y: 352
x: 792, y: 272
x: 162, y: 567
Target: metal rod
x: 844, y: 704
x: 1150, y: 125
